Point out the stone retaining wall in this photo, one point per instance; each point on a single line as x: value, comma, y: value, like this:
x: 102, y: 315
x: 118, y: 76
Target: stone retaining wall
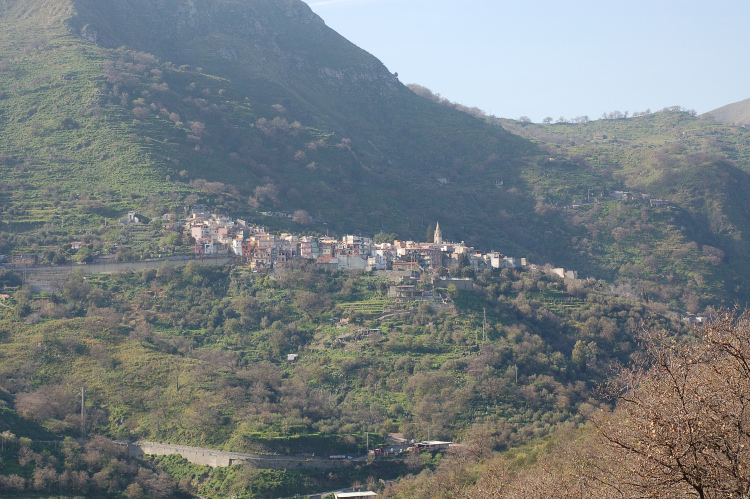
x: 217, y: 458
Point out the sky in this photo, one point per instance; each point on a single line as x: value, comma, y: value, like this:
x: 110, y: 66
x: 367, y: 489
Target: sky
x: 557, y: 58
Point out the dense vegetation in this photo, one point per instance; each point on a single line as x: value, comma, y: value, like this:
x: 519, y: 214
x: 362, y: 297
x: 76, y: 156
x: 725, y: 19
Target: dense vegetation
x: 686, y: 252
x: 100, y: 467
x: 152, y: 106
x: 197, y: 355
x: 679, y: 430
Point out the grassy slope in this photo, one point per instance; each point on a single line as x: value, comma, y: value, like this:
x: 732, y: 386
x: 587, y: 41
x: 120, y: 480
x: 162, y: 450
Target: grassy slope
x: 66, y: 162
x: 48, y: 80
x: 287, y: 56
x: 699, y: 166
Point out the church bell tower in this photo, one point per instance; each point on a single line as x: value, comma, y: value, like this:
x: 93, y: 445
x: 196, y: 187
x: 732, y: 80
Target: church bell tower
x: 438, y: 235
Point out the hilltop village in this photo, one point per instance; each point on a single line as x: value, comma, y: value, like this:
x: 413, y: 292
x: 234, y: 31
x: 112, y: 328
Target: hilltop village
x: 218, y: 235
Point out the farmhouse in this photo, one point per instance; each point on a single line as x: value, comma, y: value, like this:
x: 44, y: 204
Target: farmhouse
x: 133, y: 219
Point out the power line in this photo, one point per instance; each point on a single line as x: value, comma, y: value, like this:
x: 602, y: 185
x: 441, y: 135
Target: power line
x: 83, y: 412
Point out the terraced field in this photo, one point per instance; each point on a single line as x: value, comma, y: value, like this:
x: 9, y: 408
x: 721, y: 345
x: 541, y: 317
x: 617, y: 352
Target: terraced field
x: 368, y: 307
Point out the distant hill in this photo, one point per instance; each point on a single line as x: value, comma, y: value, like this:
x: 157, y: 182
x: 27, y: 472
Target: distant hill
x: 687, y: 250
x: 732, y: 114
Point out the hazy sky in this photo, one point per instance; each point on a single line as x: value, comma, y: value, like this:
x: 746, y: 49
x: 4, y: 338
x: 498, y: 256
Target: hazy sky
x: 558, y: 57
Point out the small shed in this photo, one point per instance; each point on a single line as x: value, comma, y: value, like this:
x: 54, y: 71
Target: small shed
x: 407, y: 292
x: 133, y: 218
x: 292, y: 357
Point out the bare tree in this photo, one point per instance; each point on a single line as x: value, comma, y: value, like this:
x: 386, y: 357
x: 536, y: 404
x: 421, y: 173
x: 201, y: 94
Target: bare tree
x: 302, y: 217
x: 682, y: 424
x: 681, y: 428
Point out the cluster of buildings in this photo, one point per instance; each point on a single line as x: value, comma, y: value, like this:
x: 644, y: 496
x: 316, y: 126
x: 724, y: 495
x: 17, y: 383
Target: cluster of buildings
x: 220, y: 235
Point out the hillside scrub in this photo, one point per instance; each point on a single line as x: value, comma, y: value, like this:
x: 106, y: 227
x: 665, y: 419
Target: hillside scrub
x: 195, y: 355
x: 97, y: 468
x: 699, y: 168
x: 251, y: 106
x: 679, y: 429
x: 98, y: 130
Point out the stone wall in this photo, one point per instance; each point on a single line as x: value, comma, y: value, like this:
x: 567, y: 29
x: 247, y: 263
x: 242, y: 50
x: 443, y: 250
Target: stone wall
x: 195, y: 455
x: 217, y: 458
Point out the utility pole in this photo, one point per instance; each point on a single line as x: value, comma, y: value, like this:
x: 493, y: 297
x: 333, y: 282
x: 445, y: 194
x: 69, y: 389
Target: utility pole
x: 83, y: 413
x: 484, y: 325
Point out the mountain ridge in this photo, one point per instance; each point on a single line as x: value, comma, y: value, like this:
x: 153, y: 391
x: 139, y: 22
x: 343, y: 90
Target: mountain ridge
x: 291, y: 133
x: 737, y: 113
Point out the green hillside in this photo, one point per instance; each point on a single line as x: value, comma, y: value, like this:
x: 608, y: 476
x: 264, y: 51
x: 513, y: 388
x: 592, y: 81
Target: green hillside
x: 252, y: 106
x: 692, y: 246
x: 301, y: 119
x: 197, y: 355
